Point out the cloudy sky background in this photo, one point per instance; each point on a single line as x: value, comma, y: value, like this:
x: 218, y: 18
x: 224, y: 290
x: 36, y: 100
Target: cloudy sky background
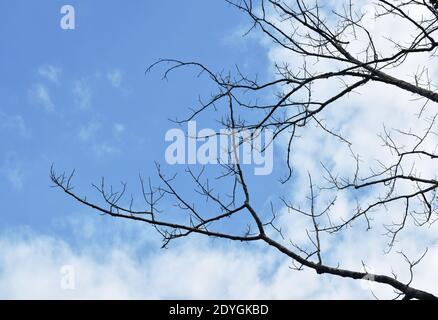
x: 80, y: 99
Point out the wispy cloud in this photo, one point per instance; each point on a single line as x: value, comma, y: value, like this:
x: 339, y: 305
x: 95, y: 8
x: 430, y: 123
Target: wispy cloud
x: 12, y: 171
x: 105, y: 148
x: 83, y: 94
x: 89, y: 131
x: 40, y: 95
x: 115, y: 78
x: 89, y: 134
x: 118, y: 130
x: 50, y: 72
x: 15, y: 176
x: 13, y: 123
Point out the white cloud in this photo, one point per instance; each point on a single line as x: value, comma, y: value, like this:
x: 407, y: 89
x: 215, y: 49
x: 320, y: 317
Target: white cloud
x: 105, y: 148
x: 13, y: 123
x: 50, y: 72
x: 83, y: 94
x: 118, y: 129
x: 15, y: 176
x: 120, y: 259
x: 115, y: 78
x: 31, y: 265
x: 39, y: 94
x: 12, y: 170
x: 89, y: 131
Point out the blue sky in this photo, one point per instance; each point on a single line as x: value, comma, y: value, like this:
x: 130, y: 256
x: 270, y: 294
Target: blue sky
x: 80, y: 98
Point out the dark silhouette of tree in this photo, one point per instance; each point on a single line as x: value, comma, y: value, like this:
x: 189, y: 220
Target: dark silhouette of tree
x: 311, y: 33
